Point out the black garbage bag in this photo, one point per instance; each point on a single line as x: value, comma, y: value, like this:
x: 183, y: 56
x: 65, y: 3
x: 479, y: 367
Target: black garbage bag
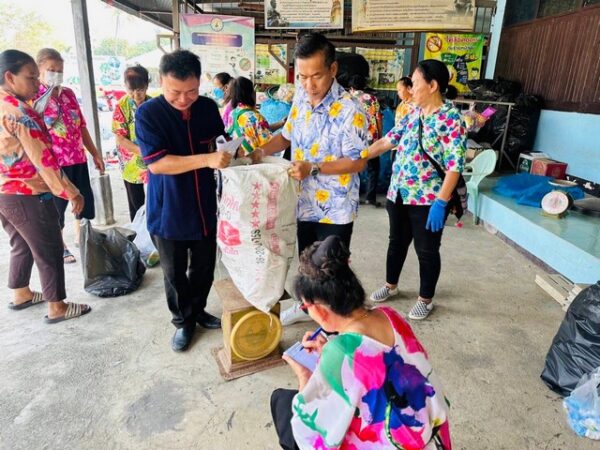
x: 575, y: 349
x: 111, y: 262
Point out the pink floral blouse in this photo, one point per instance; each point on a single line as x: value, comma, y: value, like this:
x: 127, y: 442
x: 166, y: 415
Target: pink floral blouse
x: 64, y: 120
x: 27, y: 164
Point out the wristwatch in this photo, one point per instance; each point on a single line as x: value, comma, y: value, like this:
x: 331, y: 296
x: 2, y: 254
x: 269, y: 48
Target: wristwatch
x: 315, y: 170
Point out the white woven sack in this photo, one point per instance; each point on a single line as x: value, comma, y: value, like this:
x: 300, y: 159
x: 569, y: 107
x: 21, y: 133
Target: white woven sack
x: 256, y: 228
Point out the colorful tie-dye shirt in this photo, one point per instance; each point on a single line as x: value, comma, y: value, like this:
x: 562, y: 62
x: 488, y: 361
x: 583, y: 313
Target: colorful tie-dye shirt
x: 247, y: 122
x: 132, y: 166
x: 345, y: 403
x: 444, y: 139
x: 336, y: 128
x: 27, y: 164
x: 371, y: 106
x: 64, y: 120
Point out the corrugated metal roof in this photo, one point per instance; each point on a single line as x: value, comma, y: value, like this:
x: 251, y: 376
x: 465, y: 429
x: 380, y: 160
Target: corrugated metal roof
x: 155, y: 11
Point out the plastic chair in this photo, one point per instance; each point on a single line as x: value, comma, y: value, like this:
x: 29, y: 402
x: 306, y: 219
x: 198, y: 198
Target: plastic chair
x: 481, y: 166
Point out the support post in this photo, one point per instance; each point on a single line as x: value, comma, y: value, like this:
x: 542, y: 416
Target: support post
x: 176, y: 24
x: 86, y: 69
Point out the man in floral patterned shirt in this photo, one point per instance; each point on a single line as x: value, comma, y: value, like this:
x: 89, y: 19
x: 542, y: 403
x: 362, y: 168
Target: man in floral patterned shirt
x: 327, y: 130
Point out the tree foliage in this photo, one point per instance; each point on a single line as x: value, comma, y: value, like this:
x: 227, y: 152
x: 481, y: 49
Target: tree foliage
x: 25, y: 30
x: 122, y: 47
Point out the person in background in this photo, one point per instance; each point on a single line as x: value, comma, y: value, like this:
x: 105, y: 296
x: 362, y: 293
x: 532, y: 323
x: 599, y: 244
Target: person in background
x: 327, y: 130
x: 29, y: 175
x: 70, y: 138
x: 373, y: 386
x: 370, y: 104
x: 176, y: 133
x: 133, y: 169
x: 220, y: 85
x: 403, y: 88
x: 417, y: 196
x: 226, y: 114
x: 245, y: 119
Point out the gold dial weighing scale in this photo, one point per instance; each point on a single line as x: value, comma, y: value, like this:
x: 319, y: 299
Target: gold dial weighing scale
x: 250, y: 337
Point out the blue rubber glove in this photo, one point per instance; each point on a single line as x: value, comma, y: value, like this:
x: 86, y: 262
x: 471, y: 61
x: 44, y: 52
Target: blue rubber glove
x: 437, y: 216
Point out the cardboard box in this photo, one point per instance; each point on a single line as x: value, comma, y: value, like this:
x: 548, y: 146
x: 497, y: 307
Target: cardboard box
x: 549, y: 168
x: 525, y: 161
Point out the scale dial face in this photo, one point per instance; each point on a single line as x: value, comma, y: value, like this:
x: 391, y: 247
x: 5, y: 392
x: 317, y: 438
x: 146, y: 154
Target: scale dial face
x: 555, y: 202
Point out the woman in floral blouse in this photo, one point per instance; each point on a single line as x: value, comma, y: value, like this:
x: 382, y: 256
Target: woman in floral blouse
x: 245, y: 119
x: 417, y: 196
x: 29, y: 176
x: 373, y: 386
x: 133, y: 169
x: 70, y: 137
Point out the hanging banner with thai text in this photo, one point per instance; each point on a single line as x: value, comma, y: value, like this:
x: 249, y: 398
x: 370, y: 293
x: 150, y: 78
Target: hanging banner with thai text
x: 326, y: 14
x: 385, y: 66
x: 413, y: 15
x: 271, y: 63
x: 223, y: 43
x: 462, y: 54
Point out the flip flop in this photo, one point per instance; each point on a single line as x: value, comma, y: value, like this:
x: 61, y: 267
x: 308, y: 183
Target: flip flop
x: 68, y: 257
x: 37, y: 298
x: 73, y: 310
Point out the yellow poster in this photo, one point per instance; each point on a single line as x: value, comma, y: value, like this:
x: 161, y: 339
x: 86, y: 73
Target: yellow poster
x: 271, y: 63
x: 413, y: 15
x: 462, y: 54
x: 385, y: 66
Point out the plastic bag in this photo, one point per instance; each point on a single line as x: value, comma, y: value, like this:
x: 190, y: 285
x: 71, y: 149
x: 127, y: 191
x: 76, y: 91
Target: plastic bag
x: 142, y: 239
x: 583, y: 406
x: 575, y: 349
x: 528, y: 189
x: 256, y: 228
x: 111, y: 262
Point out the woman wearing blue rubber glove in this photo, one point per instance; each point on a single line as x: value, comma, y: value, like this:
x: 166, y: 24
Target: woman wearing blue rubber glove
x: 418, y: 197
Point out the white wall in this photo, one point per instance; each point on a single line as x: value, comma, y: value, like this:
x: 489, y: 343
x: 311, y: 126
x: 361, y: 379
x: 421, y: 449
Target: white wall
x: 573, y: 138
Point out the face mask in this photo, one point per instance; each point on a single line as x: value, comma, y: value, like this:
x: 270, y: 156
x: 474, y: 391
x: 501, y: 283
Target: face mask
x: 53, y: 78
x: 218, y: 93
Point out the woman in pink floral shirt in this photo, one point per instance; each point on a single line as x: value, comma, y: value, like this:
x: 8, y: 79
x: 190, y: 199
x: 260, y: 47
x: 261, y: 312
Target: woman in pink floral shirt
x: 70, y: 136
x: 29, y: 175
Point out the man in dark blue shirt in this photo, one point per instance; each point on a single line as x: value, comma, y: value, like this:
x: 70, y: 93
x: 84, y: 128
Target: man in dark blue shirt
x: 176, y: 133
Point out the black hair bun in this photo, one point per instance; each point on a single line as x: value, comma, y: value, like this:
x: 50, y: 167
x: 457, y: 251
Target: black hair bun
x: 451, y: 92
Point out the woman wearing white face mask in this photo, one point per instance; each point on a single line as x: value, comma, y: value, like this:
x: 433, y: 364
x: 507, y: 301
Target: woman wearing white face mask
x: 70, y: 136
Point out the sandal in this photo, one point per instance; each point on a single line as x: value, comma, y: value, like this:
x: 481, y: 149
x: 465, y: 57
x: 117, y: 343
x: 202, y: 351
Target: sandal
x: 68, y: 257
x: 73, y: 310
x: 37, y: 298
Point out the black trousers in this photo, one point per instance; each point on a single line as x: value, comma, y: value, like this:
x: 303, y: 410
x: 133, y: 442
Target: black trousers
x: 79, y: 175
x: 281, y: 411
x: 372, y: 179
x: 311, y: 232
x: 135, y: 197
x: 407, y: 224
x: 188, y: 269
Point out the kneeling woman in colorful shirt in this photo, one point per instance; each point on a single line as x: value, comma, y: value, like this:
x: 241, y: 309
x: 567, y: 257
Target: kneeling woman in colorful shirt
x: 433, y: 131
x: 245, y: 119
x: 373, y: 386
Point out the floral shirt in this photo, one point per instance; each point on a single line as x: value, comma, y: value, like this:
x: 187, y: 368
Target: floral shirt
x: 336, y: 128
x: 444, y: 138
x: 247, y: 122
x: 403, y: 109
x: 344, y: 403
x: 226, y: 115
x: 64, y: 120
x: 132, y: 166
x: 27, y: 164
x: 371, y: 106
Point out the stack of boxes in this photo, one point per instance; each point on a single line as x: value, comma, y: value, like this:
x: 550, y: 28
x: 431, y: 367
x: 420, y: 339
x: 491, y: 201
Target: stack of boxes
x: 537, y: 163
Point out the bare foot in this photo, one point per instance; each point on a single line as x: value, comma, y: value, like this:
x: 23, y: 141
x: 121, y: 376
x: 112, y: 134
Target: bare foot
x: 22, y: 295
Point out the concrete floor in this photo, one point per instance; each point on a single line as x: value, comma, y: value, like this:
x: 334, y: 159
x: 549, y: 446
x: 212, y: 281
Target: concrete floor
x: 110, y: 380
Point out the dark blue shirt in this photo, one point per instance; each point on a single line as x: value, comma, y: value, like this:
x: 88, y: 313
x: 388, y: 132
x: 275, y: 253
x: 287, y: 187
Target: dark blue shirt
x: 179, y: 207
